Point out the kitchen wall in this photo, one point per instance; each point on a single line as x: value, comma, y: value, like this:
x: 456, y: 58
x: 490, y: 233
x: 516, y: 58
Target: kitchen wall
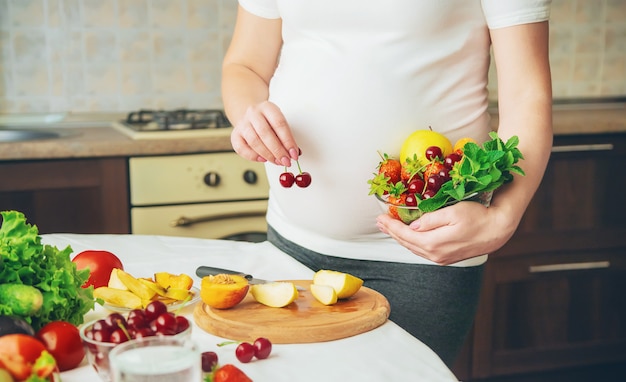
x: 121, y: 55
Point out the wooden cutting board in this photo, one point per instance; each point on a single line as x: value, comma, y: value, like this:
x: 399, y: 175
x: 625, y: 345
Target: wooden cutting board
x: 303, y: 321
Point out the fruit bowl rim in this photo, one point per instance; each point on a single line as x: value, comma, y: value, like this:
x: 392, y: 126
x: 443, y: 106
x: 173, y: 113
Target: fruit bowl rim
x: 383, y: 199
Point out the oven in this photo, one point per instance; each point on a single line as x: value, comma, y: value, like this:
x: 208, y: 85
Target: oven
x: 216, y: 195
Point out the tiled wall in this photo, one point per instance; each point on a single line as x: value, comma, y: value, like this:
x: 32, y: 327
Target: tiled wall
x: 112, y: 55
x: 121, y: 55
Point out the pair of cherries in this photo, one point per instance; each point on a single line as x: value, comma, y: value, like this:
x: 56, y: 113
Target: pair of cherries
x: 288, y: 179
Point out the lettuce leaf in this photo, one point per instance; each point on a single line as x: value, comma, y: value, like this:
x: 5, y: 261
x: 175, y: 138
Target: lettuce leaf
x: 25, y: 260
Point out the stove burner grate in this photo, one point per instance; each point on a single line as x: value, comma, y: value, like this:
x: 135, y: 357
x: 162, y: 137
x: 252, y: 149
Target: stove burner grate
x: 180, y: 119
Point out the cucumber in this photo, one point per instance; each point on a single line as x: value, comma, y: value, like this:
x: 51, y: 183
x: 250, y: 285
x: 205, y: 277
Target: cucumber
x: 23, y: 300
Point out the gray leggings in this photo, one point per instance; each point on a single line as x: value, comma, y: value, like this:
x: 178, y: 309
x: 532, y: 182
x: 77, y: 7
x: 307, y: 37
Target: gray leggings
x: 440, y: 307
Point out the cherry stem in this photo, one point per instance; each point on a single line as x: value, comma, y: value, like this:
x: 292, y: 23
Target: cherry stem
x: 123, y: 327
x: 225, y: 343
x: 299, y: 169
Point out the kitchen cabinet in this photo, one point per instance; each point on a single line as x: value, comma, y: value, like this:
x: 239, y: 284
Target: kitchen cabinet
x: 87, y: 195
x: 554, y: 297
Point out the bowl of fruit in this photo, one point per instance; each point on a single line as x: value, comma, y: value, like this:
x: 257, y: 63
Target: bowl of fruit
x: 430, y: 173
x: 102, y: 335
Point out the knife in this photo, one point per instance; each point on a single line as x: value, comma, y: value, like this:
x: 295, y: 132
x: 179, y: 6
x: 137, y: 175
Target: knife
x: 212, y: 271
x: 208, y: 271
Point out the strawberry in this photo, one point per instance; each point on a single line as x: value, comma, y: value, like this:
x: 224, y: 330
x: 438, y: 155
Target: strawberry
x: 229, y: 373
x: 396, y: 201
x: 433, y: 168
x: 391, y: 168
x: 410, y: 169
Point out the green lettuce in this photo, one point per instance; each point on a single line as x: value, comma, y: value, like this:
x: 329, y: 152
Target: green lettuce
x: 25, y: 260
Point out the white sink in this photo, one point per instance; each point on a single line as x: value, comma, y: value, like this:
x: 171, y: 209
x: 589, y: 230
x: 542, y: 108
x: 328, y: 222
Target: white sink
x: 23, y: 135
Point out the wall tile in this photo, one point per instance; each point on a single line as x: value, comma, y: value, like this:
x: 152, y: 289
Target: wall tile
x: 167, y: 13
x: 4, y: 14
x: 133, y: 14
x: 135, y: 45
x: 135, y: 79
x: 99, y: 13
x: 202, y: 14
x: 54, y: 16
x: 31, y: 79
x: 27, y: 13
x: 616, y: 11
x: 101, y: 79
x: 169, y: 46
x: 29, y: 46
x: 100, y: 45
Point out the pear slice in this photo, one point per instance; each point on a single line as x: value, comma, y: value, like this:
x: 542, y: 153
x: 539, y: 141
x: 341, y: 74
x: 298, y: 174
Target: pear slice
x: 115, y: 282
x: 136, y: 286
x: 118, y: 297
x: 345, y: 284
x: 325, y: 294
x: 275, y: 294
x: 159, y: 290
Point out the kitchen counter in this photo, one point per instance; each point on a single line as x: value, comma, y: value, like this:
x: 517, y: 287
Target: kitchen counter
x: 107, y: 141
x: 386, y: 353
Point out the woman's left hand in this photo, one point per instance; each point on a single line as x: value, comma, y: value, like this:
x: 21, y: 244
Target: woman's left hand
x: 452, y: 234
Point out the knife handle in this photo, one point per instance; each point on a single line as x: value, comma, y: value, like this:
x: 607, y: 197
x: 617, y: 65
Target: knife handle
x: 203, y: 271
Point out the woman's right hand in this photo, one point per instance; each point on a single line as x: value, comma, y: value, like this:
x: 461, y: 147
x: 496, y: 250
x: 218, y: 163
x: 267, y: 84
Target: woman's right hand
x: 263, y: 135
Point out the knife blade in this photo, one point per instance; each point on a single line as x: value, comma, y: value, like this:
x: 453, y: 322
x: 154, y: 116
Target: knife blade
x: 204, y: 270
x: 207, y: 271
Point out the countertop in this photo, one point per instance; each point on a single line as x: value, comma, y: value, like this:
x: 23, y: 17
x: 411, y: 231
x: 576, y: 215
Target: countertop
x: 386, y: 353
x: 104, y: 140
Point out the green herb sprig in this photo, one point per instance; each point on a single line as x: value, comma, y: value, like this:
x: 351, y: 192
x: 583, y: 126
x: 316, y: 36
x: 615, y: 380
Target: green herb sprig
x: 483, y: 169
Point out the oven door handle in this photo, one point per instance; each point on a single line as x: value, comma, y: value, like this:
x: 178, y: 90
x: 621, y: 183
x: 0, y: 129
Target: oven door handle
x: 185, y: 221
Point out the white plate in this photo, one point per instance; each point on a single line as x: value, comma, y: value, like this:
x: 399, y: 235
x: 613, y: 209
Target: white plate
x: 170, y: 307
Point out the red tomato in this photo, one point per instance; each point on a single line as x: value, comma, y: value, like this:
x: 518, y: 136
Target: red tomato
x: 100, y: 264
x: 18, y: 353
x: 63, y: 341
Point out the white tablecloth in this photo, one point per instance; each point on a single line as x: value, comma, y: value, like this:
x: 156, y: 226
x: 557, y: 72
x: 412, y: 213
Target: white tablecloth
x: 387, y: 353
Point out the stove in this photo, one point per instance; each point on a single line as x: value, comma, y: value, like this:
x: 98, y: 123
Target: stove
x: 179, y: 123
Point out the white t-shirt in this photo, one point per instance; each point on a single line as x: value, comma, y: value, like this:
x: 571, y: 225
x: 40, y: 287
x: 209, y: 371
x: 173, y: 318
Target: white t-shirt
x: 358, y: 76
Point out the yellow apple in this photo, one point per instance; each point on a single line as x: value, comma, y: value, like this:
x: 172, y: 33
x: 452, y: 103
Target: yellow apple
x: 419, y: 141
x: 345, y: 284
x: 324, y: 294
x: 275, y: 294
x: 223, y: 291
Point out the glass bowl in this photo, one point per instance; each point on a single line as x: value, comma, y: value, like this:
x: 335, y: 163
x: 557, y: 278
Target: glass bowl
x: 98, y: 352
x: 409, y: 214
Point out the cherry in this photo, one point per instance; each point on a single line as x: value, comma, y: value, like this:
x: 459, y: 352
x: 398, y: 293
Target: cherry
x: 444, y: 173
x: 182, y: 324
x: 434, y: 152
x: 411, y: 200
x: 166, y: 323
x: 434, y: 182
x: 209, y: 361
x: 101, y: 335
x: 262, y: 348
x: 416, y: 186
x: 118, y: 336
x: 303, y: 180
x: 451, y: 159
x: 244, y: 352
x: 115, y: 320
x: 154, y: 309
x: 143, y: 332
x: 429, y: 194
x: 286, y: 179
